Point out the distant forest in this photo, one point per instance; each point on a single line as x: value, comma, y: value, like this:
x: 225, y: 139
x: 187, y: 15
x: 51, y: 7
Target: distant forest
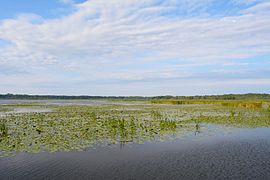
x: 249, y: 96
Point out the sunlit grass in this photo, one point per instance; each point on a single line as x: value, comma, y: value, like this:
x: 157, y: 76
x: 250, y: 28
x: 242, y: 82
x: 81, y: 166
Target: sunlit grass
x: 244, y: 104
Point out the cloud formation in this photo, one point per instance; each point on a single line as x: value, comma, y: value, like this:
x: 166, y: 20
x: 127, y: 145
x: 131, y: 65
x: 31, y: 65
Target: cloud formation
x: 136, y: 40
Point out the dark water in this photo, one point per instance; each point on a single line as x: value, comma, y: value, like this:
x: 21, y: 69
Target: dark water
x: 235, y: 154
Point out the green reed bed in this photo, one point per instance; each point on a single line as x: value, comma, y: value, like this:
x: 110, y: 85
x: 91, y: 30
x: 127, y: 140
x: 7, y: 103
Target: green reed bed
x: 229, y: 103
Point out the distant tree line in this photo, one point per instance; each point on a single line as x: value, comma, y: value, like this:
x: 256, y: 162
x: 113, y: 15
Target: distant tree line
x: 250, y: 96
x: 33, y: 97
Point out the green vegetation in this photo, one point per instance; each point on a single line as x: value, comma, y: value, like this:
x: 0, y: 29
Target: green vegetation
x: 5, y: 109
x: 243, y: 104
x: 3, y: 130
x: 239, y: 117
x: 245, y: 97
x: 77, y: 127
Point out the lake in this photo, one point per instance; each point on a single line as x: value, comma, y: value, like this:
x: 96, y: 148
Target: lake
x: 52, y: 139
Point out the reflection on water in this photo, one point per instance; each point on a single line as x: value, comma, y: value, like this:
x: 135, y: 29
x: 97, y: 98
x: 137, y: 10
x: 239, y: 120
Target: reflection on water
x: 197, y: 129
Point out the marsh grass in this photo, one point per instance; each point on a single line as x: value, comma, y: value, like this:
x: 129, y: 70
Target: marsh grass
x: 237, y: 117
x: 228, y: 103
x: 76, y: 127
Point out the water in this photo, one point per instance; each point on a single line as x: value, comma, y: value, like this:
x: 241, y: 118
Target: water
x: 239, y: 154
x: 89, y: 102
x: 207, y: 151
x: 53, y: 102
x: 70, y: 102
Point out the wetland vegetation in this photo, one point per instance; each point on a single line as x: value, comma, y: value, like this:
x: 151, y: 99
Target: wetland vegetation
x: 42, y: 127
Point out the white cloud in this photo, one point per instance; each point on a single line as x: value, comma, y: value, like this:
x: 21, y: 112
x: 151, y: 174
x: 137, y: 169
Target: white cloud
x: 118, y: 33
x: 259, y: 8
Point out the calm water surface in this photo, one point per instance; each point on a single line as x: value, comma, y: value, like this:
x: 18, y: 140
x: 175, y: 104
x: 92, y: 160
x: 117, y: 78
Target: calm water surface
x: 88, y: 102
x: 68, y: 102
x: 230, y: 154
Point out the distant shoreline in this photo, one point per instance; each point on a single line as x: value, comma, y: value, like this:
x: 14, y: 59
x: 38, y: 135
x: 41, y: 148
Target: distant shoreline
x: 248, y: 96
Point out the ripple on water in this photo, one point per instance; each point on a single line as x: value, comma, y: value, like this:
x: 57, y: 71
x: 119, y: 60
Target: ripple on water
x: 241, y: 154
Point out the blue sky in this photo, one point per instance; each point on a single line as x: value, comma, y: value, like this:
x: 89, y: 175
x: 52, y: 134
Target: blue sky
x: 135, y: 47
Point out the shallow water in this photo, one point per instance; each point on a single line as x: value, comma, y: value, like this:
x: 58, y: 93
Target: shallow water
x: 53, y: 102
x: 68, y: 102
x: 89, y: 102
x: 25, y: 110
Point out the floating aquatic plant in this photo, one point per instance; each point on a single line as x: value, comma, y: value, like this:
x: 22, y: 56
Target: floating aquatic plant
x: 77, y: 127
x: 3, y: 130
